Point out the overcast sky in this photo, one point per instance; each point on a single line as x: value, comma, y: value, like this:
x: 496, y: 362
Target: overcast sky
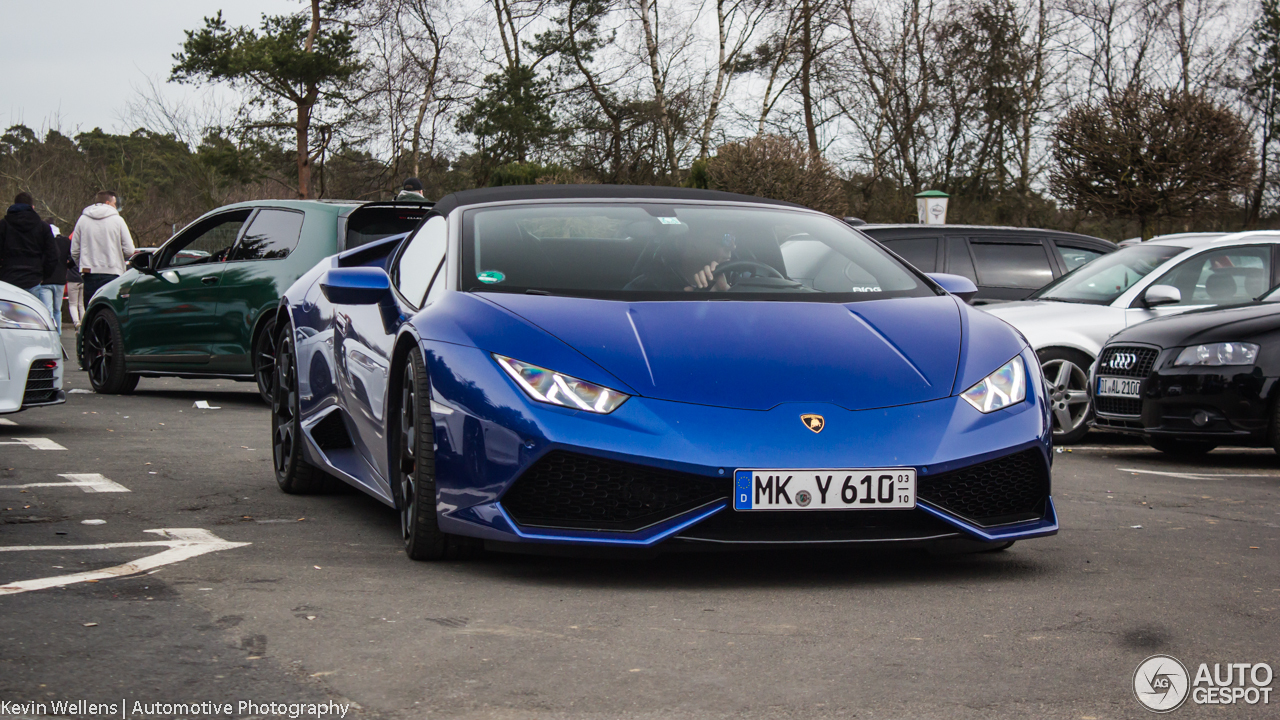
x: 75, y: 63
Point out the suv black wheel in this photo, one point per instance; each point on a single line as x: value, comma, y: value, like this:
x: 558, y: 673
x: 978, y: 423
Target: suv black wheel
x: 293, y: 473
x: 104, y: 356
x: 264, y: 360
x: 415, y: 466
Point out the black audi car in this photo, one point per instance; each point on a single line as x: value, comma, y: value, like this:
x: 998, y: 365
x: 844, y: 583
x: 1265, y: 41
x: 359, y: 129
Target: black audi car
x: 1191, y: 382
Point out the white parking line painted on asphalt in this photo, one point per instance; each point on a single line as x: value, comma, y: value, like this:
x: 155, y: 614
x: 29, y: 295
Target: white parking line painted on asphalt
x: 35, y: 443
x: 7, y: 421
x: 182, y: 544
x: 1197, y: 476
x: 88, y: 482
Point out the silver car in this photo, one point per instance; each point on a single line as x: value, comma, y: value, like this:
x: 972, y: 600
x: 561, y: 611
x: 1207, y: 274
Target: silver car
x: 1069, y: 320
x: 30, y: 353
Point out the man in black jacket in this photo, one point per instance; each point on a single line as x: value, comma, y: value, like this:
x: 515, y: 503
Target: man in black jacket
x: 28, y: 253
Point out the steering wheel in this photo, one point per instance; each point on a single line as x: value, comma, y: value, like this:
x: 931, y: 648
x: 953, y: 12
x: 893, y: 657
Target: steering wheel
x: 739, y: 265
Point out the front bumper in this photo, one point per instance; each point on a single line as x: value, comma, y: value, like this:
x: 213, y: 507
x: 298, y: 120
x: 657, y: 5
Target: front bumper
x: 1224, y: 405
x: 489, y: 442
x: 25, y: 382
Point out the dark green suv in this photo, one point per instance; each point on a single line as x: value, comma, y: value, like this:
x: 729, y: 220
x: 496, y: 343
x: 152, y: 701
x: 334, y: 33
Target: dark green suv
x: 200, y: 305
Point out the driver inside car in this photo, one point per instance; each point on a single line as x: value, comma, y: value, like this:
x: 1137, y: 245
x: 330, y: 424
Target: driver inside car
x: 689, y: 266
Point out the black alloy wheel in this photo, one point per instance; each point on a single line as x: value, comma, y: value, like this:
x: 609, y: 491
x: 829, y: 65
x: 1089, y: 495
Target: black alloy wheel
x: 264, y: 360
x: 104, y: 356
x: 293, y: 473
x: 415, y: 465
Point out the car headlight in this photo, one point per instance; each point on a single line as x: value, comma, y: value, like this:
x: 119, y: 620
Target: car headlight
x: 1218, y: 354
x: 20, y: 317
x: 1002, y: 388
x: 549, y: 386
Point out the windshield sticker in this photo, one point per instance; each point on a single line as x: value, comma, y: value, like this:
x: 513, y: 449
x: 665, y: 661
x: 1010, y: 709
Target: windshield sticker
x: 490, y: 276
x: 866, y: 288
x: 669, y: 220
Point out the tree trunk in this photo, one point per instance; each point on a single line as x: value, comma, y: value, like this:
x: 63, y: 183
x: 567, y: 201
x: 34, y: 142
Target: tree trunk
x: 1255, y: 203
x: 659, y: 89
x: 304, y: 151
x: 806, y: 66
x: 721, y: 71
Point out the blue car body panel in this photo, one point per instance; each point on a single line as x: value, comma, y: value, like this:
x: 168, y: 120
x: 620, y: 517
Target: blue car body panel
x: 715, y: 386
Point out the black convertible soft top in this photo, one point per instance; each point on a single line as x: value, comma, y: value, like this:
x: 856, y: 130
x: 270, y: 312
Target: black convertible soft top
x: 506, y: 193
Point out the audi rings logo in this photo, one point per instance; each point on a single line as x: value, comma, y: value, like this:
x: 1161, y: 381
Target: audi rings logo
x: 1123, y: 361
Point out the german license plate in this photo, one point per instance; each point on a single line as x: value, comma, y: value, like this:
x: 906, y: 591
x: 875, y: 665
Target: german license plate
x: 1118, y: 387
x: 861, y: 489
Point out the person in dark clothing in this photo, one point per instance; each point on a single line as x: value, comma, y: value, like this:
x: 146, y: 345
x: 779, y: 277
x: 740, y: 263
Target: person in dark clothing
x: 28, y: 253
x: 689, y: 265
x: 51, y: 290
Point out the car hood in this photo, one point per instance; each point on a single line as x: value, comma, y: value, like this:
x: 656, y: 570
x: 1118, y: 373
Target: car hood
x: 756, y: 355
x: 1045, y: 322
x: 1233, y: 324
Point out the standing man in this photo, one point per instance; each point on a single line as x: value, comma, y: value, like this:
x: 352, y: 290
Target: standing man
x: 53, y: 286
x: 411, y: 191
x: 28, y: 253
x: 101, y: 243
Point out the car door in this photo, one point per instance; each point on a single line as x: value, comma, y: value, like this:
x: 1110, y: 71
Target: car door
x: 363, y: 344
x: 251, y: 285
x: 171, y: 312
x: 1222, y: 276
x: 1010, y: 268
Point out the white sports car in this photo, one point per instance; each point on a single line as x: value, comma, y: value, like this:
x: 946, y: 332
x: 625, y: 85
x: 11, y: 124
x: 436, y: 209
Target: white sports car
x: 1069, y: 320
x: 30, y: 353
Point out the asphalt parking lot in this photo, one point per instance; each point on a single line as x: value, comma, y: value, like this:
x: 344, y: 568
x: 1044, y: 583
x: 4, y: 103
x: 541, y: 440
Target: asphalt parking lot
x: 310, y: 599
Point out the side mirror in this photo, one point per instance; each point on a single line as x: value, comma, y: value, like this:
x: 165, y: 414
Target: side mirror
x: 1158, y: 295
x: 356, y: 286
x: 141, y: 261
x: 958, y: 285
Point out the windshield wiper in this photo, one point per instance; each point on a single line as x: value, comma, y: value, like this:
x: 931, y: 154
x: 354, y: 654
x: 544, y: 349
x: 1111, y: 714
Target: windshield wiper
x: 531, y: 291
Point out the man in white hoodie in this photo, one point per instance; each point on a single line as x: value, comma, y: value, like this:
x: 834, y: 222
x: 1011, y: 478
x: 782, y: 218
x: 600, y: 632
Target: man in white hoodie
x: 101, y: 243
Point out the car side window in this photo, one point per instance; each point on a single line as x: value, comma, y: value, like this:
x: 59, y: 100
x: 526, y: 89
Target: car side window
x: 1074, y: 257
x: 421, y: 257
x: 272, y: 235
x: 959, y: 262
x: 1011, y: 265
x: 210, y: 241
x: 920, y: 252
x: 1222, y: 277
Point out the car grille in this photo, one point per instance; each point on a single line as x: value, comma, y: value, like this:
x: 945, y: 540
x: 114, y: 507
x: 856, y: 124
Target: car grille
x: 1143, y: 360
x: 1007, y: 489
x: 569, y: 490
x: 40, y: 384
x: 1119, y: 406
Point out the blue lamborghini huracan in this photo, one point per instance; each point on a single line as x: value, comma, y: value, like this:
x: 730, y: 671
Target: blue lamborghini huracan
x: 610, y: 366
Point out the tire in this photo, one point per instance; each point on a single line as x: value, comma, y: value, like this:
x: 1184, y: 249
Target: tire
x: 1181, y: 448
x: 414, y: 461
x: 104, y: 356
x: 294, y: 474
x: 264, y: 360
x: 1066, y: 377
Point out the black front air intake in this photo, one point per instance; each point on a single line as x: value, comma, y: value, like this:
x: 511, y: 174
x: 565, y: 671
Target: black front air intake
x: 573, y: 491
x: 1008, y: 489
x: 40, y: 383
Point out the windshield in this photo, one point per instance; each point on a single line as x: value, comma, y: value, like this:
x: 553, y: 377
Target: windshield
x: 1103, y: 280
x: 648, y: 251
